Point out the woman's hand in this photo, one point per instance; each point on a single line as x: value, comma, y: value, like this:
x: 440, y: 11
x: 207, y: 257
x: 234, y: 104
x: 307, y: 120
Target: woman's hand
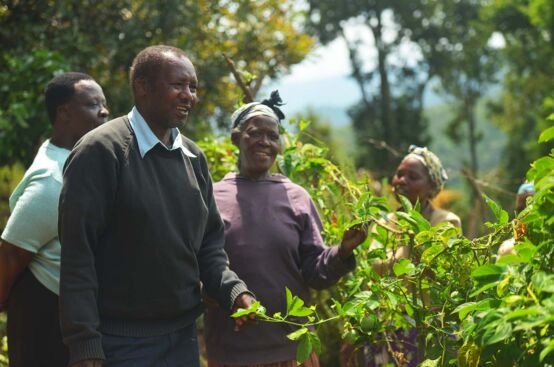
x: 351, y: 239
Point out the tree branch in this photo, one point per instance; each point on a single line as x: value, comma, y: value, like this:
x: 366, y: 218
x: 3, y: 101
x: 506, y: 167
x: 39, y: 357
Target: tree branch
x: 248, y: 97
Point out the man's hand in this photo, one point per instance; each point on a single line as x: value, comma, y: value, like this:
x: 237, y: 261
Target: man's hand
x: 244, y: 300
x: 351, y: 239
x: 88, y: 363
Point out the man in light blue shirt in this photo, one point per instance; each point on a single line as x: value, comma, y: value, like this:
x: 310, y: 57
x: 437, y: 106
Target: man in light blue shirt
x: 29, y: 245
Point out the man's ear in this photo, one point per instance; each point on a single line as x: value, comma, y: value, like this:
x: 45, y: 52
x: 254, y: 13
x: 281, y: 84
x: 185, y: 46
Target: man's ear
x: 141, y: 87
x: 62, y: 113
x: 235, y: 137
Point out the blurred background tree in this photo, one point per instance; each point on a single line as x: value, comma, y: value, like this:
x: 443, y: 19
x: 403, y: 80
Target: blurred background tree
x: 390, y: 111
x: 527, y: 64
x: 102, y: 37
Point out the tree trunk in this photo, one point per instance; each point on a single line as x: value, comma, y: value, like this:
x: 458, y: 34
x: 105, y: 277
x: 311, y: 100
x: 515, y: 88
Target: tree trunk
x: 470, y: 111
x: 474, y: 228
x: 386, y: 108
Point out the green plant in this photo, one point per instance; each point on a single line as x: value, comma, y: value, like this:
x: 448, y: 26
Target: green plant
x: 509, y: 318
x: 465, y: 307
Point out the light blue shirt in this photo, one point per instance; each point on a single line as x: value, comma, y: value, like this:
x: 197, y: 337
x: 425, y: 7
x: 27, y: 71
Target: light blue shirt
x: 146, y: 139
x: 33, y: 223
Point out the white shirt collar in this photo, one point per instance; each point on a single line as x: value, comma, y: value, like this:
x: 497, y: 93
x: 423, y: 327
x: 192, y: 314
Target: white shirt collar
x: 146, y: 139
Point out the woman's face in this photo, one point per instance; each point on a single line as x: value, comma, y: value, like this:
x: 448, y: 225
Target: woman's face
x: 259, y: 143
x: 413, y: 181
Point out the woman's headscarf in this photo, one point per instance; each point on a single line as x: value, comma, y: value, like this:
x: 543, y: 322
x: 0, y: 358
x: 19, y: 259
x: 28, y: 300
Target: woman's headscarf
x: 267, y: 107
x: 432, y: 163
x: 526, y: 187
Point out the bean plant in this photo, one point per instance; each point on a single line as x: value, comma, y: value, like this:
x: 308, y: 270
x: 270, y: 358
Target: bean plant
x: 463, y: 304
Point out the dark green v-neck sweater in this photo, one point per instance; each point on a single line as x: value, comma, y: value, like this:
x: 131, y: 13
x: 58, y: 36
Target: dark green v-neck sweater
x: 137, y: 235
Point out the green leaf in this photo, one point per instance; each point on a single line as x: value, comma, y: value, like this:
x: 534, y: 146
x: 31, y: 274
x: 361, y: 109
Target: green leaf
x: 408, y: 218
x: 393, y: 298
x: 547, y: 135
x: 403, y: 266
x: 510, y: 260
x: 409, y: 309
x: 517, y: 314
x: 487, y: 304
x: 243, y: 312
x: 349, y: 308
x: 543, y: 282
x: 316, y: 343
x: 422, y: 223
x: 303, y: 124
x: 338, y: 307
x: 430, y: 363
x: 431, y: 252
x: 464, y: 309
x: 301, y: 312
x: 549, y: 348
x: 304, y: 348
x: 289, y: 299
x: 500, y: 214
x: 406, y: 204
x: 297, y: 334
x: 423, y: 237
x: 486, y: 271
x: 484, y: 288
x: 502, y: 331
x: 526, y: 251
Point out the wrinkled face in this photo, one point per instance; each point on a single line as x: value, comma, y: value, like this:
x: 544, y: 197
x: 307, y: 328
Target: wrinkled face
x: 86, y: 109
x: 259, y: 143
x: 412, y: 180
x: 168, y: 100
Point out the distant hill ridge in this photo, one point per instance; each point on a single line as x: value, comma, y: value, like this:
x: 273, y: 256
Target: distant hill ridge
x: 331, y: 97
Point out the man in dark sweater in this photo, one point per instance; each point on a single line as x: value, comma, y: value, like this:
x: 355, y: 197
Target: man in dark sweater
x: 140, y: 229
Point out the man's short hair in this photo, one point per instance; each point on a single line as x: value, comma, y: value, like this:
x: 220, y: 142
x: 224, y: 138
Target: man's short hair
x: 146, y: 64
x: 60, y: 90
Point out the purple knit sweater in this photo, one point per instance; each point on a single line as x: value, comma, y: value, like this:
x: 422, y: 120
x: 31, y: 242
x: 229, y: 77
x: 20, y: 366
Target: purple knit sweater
x: 273, y: 239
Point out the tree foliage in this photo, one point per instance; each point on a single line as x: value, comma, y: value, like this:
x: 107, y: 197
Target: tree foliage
x: 390, y: 112
x: 262, y: 37
x: 527, y: 64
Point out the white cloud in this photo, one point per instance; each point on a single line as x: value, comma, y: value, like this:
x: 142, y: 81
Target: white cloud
x: 324, y: 62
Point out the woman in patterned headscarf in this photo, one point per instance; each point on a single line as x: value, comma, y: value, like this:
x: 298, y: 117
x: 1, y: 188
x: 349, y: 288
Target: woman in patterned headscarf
x: 420, y: 177
x: 273, y: 239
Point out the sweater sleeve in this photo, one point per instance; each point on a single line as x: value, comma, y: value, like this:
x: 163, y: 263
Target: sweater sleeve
x: 88, y: 188
x: 321, y: 265
x: 221, y: 282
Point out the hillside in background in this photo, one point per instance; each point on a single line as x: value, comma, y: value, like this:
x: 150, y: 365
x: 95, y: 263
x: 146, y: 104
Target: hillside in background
x: 330, y: 98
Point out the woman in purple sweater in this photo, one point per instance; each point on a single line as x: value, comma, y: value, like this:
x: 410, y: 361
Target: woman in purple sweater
x: 273, y: 239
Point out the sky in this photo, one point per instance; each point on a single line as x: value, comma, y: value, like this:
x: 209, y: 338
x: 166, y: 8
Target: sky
x: 324, y: 62
x: 322, y: 80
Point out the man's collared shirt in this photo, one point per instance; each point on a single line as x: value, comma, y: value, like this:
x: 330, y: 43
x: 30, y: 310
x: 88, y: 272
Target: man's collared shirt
x: 147, y: 139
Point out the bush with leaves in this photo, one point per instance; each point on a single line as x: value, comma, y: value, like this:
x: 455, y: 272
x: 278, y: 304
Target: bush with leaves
x: 509, y: 318
x: 465, y: 307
